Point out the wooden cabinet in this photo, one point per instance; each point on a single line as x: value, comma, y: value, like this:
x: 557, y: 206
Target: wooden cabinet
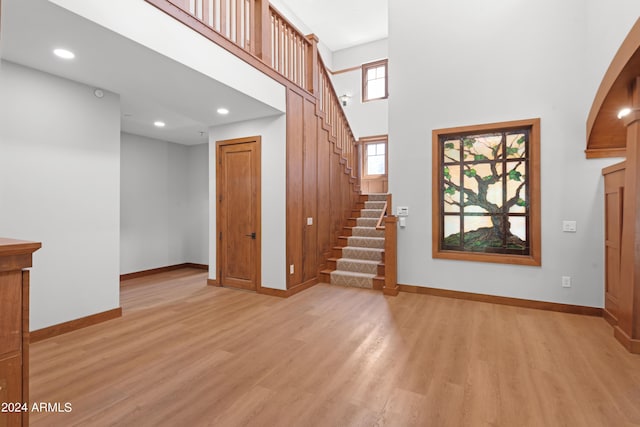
x: 613, y: 205
x: 15, y: 258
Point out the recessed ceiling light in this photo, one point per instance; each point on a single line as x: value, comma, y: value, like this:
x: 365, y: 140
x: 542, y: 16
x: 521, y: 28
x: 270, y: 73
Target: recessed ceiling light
x: 624, y: 112
x: 223, y: 111
x: 64, y: 53
x: 159, y: 124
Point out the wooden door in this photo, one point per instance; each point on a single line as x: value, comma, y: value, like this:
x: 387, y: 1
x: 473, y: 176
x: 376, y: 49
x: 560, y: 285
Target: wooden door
x: 238, y: 213
x: 614, y: 199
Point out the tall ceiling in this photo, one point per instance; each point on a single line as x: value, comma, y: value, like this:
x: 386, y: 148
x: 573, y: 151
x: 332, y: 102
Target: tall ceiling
x: 151, y: 86
x: 341, y: 24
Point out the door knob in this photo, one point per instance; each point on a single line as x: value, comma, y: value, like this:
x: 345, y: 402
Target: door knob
x: 252, y: 235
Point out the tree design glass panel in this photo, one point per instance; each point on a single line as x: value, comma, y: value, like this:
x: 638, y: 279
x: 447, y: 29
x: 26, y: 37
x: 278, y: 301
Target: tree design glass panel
x: 485, y: 192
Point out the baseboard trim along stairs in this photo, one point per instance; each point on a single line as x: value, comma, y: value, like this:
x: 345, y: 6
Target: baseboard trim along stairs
x: 358, y: 260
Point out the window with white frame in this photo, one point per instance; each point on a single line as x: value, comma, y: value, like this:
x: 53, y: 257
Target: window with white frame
x: 374, y: 156
x: 374, y: 80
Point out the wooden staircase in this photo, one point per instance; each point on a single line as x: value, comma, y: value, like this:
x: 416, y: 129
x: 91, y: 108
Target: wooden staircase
x: 358, y: 260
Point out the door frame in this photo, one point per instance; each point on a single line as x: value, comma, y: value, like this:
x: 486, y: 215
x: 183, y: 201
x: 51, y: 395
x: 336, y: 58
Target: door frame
x: 257, y: 140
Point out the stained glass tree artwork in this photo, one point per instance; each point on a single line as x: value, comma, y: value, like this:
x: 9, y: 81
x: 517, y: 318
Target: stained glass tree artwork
x: 484, y: 201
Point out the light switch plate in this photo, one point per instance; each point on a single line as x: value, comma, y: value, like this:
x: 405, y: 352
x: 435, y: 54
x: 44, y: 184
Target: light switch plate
x: 569, y: 226
x: 310, y: 221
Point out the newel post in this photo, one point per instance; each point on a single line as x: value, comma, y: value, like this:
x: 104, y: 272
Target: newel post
x: 391, y: 255
x: 312, y: 65
x: 262, y: 31
x: 627, y: 331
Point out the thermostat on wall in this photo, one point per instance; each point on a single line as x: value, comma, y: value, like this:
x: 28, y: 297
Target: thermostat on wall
x: 402, y: 211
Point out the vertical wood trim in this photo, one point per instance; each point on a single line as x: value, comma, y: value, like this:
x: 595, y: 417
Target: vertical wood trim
x: 223, y: 18
x: 310, y: 174
x: 26, y: 337
x: 629, y: 304
x: 391, y: 256
x: 239, y: 22
x: 295, y: 188
x: 261, y: 45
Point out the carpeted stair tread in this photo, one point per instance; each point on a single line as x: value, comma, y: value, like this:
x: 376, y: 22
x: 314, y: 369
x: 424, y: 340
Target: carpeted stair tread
x: 366, y: 222
x: 365, y: 242
x: 374, y: 205
x: 373, y: 254
x: 360, y: 258
x: 371, y: 213
x: 361, y: 231
x: 377, y: 197
x: 350, y: 278
x: 357, y: 265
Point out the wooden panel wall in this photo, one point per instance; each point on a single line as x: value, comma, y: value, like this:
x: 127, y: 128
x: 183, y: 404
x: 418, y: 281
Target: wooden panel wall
x: 309, y: 255
x: 295, y: 187
x: 319, y: 186
x: 324, y: 194
x: 374, y: 185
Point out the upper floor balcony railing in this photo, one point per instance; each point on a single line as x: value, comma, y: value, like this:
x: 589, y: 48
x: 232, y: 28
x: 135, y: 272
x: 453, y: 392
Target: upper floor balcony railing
x: 255, y: 31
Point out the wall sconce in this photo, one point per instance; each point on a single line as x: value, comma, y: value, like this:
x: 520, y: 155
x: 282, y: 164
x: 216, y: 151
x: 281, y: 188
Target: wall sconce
x: 344, y: 99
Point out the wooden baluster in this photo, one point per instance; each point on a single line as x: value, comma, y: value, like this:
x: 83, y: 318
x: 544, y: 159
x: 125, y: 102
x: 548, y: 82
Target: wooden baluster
x: 289, y: 55
x: 281, y: 47
x: 295, y: 59
x: 239, y: 20
x: 274, y: 42
x: 223, y: 18
x: 261, y: 30
x: 312, y: 64
x: 276, y: 46
x: 299, y: 49
x: 216, y: 15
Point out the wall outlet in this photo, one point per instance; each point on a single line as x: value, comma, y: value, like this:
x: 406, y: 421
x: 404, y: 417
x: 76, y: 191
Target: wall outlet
x: 569, y: 226
x: 291, y: 269
x: 566, y: 281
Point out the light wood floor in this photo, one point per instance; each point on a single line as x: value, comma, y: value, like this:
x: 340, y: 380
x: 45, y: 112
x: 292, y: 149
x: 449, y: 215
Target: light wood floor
x: 185, y: 354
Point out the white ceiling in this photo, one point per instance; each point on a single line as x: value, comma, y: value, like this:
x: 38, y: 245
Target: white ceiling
x: 340, y: 24
x: 151, y: 86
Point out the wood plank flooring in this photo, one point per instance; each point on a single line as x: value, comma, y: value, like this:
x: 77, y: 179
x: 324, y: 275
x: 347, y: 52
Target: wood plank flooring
x: 185, y: 354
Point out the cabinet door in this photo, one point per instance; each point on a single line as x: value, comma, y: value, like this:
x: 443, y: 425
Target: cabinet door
x: 11, y: 391
x: 10, y: 312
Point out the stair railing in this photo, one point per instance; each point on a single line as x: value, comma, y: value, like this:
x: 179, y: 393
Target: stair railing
x: 258, y: 33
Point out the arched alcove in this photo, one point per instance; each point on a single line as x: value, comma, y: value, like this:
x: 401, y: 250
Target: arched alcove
x: 606, y: 134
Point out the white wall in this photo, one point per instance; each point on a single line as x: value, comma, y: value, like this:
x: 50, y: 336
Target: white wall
x: 274, y: 192
x: 608, y: 23
x: 366, y: 118
x: 164, y: 209
x: 325, y: 52
x: 197, y: 222
x: 60, y: 185
x: 512, y: 60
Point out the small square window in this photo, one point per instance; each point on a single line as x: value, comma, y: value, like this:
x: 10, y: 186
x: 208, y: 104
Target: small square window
x: 375, y: 157
x: 374, y: 81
